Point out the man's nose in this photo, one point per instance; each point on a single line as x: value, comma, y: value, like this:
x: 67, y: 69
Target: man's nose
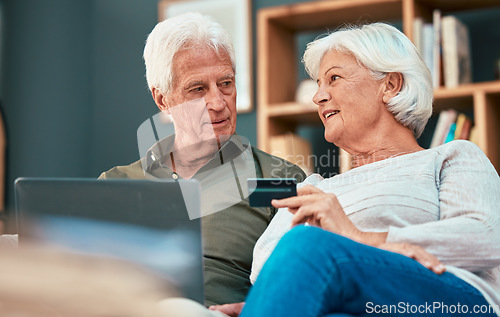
x: 215, y: 99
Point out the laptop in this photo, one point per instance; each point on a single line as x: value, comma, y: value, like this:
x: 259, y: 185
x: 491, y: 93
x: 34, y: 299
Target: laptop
x: 142, y: 221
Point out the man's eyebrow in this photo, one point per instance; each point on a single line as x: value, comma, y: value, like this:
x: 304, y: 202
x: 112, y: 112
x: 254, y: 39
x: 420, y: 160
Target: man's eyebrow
x: 228, y: 76
x: 194, y: 83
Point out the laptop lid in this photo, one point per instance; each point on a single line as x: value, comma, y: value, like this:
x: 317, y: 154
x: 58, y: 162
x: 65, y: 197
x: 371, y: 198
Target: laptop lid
x: 142, y: 221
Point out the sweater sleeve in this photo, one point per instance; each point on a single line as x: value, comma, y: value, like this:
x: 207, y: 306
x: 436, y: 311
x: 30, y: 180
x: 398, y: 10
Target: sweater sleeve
x: 467, y: 234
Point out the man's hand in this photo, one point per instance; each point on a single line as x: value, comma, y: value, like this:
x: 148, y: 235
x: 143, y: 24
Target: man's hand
x: 232, y: 310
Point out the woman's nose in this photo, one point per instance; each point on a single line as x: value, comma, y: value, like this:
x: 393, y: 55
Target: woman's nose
x: 321, y: 97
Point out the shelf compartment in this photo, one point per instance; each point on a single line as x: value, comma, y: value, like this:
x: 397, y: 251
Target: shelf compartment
x: 447, y: 6
x: 278, y: 28
x: 294, y: 112
x: 330, y: 14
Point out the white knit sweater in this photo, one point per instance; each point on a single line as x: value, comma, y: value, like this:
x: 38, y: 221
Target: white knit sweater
x: 445, y: 199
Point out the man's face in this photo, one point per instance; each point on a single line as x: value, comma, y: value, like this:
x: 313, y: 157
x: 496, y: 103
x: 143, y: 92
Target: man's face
x: 202, y: 101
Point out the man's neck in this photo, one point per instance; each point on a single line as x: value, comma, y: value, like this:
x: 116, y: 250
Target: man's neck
x: 186, y: 161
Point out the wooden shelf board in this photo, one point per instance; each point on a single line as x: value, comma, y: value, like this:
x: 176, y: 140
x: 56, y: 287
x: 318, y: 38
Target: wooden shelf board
x: 467, y: 90
x: 327, y: 14
x: 294, y: 112
x: 460, y: 98
x: 459, y: 5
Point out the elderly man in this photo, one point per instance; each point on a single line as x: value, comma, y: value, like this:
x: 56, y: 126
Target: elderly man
x: 190, y: 70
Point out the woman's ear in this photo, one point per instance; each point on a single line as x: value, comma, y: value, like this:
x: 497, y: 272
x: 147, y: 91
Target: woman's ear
x: 159, y: 99
x: 393, y: 83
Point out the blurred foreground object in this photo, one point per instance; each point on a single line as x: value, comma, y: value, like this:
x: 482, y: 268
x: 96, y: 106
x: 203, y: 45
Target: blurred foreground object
x: 36, y: 281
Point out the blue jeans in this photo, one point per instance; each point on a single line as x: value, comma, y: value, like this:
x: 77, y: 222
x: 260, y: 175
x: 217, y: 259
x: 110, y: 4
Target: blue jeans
x: 313, y: 272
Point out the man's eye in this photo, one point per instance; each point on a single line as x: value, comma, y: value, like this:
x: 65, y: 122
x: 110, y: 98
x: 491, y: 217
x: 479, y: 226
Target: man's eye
x: 197, y: 89
x: 335, y: 77
x: 226, y: 83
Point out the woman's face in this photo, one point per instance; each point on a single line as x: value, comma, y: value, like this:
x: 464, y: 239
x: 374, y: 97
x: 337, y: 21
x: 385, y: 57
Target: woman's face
x: 350, y: 101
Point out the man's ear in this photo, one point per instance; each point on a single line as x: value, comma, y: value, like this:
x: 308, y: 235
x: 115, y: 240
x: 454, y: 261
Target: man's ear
x: 159, y: 99
x: 393, y: 83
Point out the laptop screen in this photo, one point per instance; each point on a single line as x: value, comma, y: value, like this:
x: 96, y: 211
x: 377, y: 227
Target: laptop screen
x: 142, y: 221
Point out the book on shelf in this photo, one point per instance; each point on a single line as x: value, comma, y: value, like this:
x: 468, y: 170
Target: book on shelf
x: 427, y: 40
x: 418, y: 24
x: 463, y: 127
x: 445, y: 119
x: 436, y: 49
x: 456, y: 52
x: 465, y: 130
x: 444, y: 46
x: 451, y: 132
x: 293, y: 148
x: 427, y: 49
x: 451, y: 125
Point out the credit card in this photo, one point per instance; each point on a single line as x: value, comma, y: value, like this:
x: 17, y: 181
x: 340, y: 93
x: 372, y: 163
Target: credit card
x: 263, y: 190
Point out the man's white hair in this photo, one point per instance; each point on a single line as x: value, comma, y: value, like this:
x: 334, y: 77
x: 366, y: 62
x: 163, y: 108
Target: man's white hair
x: 177, y: 33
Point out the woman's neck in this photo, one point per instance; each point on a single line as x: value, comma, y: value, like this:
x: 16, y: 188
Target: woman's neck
x: 380, y: 154
x: 399, y: 142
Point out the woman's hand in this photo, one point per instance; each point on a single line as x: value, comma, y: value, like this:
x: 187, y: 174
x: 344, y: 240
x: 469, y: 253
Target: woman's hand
x: 323, y: 210
x: 232, y: 310
x: 317, y: 208
x: 417, y: 253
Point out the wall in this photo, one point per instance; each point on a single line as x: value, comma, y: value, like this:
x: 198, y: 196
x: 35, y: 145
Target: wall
x: 121, y: 99
x: 45, y: 88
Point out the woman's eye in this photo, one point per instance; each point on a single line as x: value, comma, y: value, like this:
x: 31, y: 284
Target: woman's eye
x: 335, y: 77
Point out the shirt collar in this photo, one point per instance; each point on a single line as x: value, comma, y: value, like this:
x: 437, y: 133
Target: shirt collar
x: 152, y: 161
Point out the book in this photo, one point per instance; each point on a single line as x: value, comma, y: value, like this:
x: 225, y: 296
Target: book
x: 451, y: 133
x: 445, y: 120
x: 428, y: 46
x: 460, y: 124
x: 293, y: 148
x: 456, y: 52
x: 466, y: 129
x: 452, y: 125
x: 418, y: 23
x: 436, y: 48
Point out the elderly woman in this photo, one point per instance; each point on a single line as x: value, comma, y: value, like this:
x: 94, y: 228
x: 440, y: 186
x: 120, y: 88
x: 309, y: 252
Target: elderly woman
x: 407, y: 230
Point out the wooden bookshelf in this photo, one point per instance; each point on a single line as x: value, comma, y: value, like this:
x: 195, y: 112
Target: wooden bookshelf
x: 277, y: 28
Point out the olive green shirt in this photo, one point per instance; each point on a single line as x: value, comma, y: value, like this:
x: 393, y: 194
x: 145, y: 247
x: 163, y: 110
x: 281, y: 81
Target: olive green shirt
x: 228, y: 235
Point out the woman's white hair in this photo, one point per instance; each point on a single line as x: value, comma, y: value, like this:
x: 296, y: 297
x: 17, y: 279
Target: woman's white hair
x: 383, y: 49
x: 180, y: 32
